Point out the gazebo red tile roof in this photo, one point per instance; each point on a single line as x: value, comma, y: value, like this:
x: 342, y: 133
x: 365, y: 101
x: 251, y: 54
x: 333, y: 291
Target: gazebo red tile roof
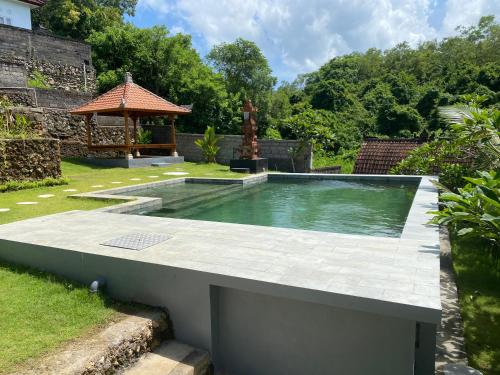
x: 378, y: 156
x: 132, y: 98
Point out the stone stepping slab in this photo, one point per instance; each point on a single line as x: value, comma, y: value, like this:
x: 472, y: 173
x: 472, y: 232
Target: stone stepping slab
x: 4, y: 209
x: 26, y: 203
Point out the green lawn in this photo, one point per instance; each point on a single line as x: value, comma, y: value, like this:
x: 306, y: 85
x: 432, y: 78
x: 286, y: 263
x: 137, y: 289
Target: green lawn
x: 478, y: 281
x: 39, y: 312
x: 83, y: 177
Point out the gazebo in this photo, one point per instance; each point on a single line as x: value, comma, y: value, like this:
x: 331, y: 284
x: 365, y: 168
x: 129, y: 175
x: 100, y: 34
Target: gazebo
x: 131, y: 102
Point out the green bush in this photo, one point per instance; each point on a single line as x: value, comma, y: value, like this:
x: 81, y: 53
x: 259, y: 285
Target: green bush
x: 144, y: 136
x: 22, y: 185
x: 38, y: 80
x: 208, y: 144
x: 14, y: 125
x: 475, y: 209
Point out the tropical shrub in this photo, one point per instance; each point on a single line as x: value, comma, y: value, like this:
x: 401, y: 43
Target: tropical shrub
x: 14, y: 125
x: 475, y: 209
x: 208, y: 144
x: 144, y: 136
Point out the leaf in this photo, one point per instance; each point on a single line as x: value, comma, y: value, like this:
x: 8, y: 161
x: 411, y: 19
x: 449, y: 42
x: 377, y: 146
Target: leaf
x: 464, y: 231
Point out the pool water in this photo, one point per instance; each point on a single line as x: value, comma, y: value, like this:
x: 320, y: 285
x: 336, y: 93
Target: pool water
x: 378, y: 209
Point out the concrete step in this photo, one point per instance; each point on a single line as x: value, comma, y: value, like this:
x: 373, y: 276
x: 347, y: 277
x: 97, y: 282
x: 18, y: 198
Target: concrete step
x: 171, y: 358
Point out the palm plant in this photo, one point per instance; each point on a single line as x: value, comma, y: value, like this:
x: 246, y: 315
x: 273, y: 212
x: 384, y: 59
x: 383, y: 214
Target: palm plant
x: 208, y: 144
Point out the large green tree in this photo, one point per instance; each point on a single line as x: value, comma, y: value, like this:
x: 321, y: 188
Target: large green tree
x: 247, y: 74
x: 79, y: 18
x: 169, y: 66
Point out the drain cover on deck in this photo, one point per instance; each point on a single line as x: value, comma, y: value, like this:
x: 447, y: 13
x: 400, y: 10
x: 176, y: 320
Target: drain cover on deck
x: 136, y: 241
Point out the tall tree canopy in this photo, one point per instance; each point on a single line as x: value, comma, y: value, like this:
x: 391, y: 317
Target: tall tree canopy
x: 247, y: 75
x: 79, y: 18
x: 169, y: 66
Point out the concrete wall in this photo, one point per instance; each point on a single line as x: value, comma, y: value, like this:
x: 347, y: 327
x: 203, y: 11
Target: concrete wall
x: 15, y: 13
x: 277, y: 151
x: 265, y: 335
x: 13, y: 74
x: 247, y: 332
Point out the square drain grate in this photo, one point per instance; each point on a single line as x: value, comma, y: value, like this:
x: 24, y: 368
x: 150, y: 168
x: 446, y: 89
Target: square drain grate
x: 137, y: 241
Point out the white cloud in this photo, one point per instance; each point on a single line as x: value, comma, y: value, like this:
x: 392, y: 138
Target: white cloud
x: 298, y: 36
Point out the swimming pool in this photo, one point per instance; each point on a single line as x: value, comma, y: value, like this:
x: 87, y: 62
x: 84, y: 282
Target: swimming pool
x: 377, y: 208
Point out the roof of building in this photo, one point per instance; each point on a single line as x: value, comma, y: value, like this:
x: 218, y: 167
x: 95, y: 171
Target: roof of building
x: 378, y: 156
x: 37, y: 3
x: 132, y: 98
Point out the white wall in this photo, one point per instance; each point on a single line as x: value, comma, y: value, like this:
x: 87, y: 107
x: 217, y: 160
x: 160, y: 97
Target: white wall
x: 15, y: 13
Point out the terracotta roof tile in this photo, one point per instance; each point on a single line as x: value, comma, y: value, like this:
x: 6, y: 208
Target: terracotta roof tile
x: 131, y: 97
x: 378, y: 156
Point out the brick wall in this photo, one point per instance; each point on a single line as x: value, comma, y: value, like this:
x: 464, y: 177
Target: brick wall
x: 277, y: 151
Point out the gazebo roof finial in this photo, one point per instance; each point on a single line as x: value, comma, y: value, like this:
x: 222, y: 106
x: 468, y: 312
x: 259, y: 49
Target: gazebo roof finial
x: 128, y: 78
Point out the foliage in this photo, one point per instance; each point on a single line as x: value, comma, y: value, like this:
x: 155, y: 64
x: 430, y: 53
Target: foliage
x: 14, y: 125
x: 397, y: 92
x: 169, y: 66
x: 272, y: 133
x: 247, y: 75
x: 470, y: 143
x: 79, y: 18
x: 144, y: 136
x: 21, y: 185
x: 475, y: 209
x: 345, y: 160
x: 208, y: 144
x: 38, y: 80
x: 322, y: 128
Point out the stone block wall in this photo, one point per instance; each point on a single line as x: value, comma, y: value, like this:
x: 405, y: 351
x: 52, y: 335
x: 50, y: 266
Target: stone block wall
x: 65, y: 63
x: 277, y: 151
x: 29, y: 160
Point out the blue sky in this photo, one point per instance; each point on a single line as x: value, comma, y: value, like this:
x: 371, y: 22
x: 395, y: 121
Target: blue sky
x: 298, y: 36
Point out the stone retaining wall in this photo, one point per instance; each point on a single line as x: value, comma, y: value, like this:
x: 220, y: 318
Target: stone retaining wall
x: 277, y: 151
x: 29, y: 160
x: 66, y: 63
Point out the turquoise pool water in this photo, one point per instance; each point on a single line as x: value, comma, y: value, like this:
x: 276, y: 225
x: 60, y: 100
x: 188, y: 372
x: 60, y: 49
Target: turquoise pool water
x: 377, y: 209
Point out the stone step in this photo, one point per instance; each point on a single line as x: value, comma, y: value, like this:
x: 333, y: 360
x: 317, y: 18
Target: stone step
x: 104, y: 352
x: 171, y: 358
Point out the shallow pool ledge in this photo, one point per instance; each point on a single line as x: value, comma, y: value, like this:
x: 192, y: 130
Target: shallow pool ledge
x: 241, y: 291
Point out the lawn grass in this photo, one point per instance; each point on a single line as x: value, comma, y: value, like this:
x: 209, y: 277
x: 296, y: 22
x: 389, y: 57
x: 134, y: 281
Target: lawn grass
x: 83, y: 176
x: 478, y: 281
x: 39, y: 312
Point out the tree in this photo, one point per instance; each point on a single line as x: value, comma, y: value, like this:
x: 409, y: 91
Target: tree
x: 79, y: 18
x: 247, y: 75
x: 170, y: 67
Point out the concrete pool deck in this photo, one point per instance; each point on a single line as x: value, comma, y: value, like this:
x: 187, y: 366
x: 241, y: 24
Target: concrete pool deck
x: 378, y: 276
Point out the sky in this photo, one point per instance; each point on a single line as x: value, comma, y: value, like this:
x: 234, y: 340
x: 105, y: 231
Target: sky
x: 298, y: 36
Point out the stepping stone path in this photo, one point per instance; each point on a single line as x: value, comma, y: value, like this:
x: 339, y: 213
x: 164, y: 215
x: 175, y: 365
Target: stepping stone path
x: 46, y: 196
x: 135, y: 179
x: 70, y: 190
x: 116, y: 182
x: 97, y: 186
x: 4, y: 209
x: 26, y: 203
x: 153, y: 176
x: 175, y: 173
